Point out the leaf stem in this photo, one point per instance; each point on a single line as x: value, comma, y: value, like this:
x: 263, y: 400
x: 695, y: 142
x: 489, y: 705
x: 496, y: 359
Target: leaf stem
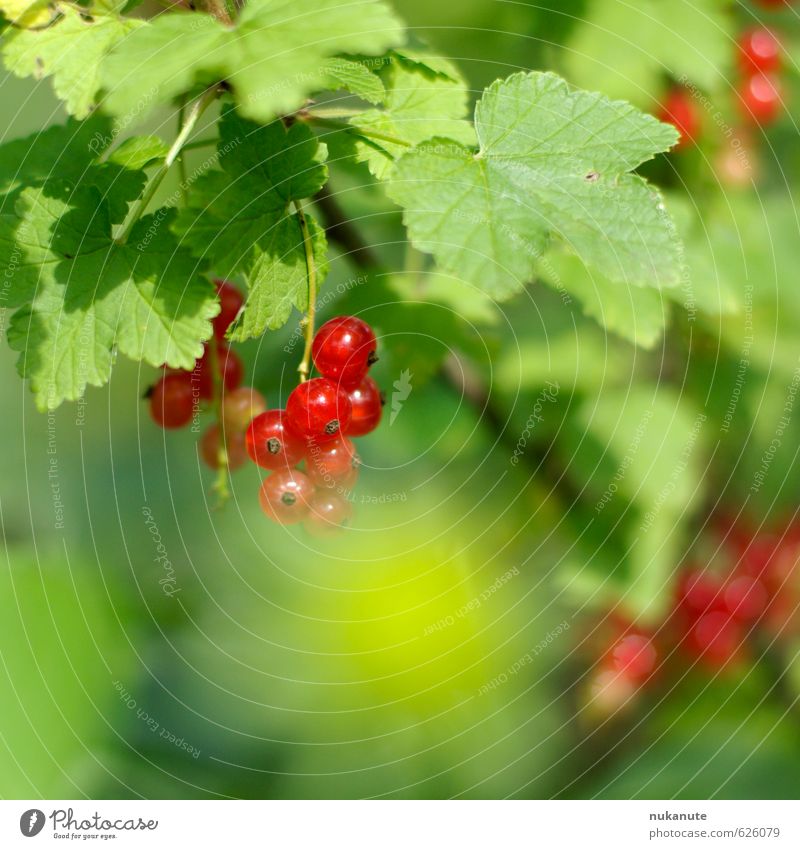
x: 308, y: 322
x: 334, y: 124
x: 192, y: 117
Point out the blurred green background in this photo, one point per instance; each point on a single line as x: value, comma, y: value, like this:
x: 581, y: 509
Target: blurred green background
x: 443, y: 646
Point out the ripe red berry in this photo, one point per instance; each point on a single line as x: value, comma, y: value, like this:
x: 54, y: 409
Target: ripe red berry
x: 285, y: 496
x: 366, y: 401
x: 716, y: 638
x: 231, y: 300
x: 700, y: 592
x: 319, y: 409
x: 172, y: 400
x: 759, y: 50
x: 634, y: 657
x: 343, y: 350
x: 760, y: 98
x: 680, y: 110
x: 332, y: 464
x: 271, y: 443
x: 230, y: 369
x: 234, y: 448
x: 746, y: 598
x: 240, y: 407
x: 327, y: 514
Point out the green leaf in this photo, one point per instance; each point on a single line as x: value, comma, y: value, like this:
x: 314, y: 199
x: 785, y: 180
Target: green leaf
x: 273, y: 58
x: 63, y: 151
x: 278, y: 277
x: 94, y: 296
x: 239, y: 216
x: 422, y: 101
x: 552, y: 162
x: 625, y: 49
x: 139, y: 152
x: 355, y: 77
x: 636, y: 314
x: 656, y: 442
x: 70, y: 51
x: 464, y: 300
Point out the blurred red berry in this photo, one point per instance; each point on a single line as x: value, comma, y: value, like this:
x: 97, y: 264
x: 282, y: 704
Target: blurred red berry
x: 172, y: 400
x: 759, y: 50
x: 760, y: 98
x: 716, y: 638
x: 634, y: 656
x: 680, y: 109
x: 231, y: 300
x: 746, y: 598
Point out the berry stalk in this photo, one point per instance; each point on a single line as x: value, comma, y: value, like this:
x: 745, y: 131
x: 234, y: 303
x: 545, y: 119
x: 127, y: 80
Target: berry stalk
x: 308, y: 322
x: 221, y: 482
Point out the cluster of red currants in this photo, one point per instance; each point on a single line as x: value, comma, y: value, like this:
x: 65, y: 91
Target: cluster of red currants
x: 316, y: 429
x: 178, y: 396
x: 748, y: 594
x: 760, y: 93
x: 753, y: 587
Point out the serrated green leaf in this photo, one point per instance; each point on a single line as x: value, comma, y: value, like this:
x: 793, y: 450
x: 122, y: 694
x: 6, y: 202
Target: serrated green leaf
x: 239, y: 216
x: 552, y: 161
x: 625, y: 49
x: 636, y: 314
x: 139, y: 152
x: 93, y: 296
x: 70, y: 51
x: 273, y: 57
x: 63, y: 152
x: 278, y: 277
x: 421, y: 102
x: 355, y: 77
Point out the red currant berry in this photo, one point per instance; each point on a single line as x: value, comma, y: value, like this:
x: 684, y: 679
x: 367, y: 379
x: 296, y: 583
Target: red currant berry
x: 759, y: 50
x: 332, y: 464
x: 230, y: 369
x: 234, y: 448
x: 271, y: 443
x: 773, y: 4
x: 680, y: 110
x: 327, y: 514
x: 760, y: 98
x: 746, y: 598
x: 240, y: 407
x: 634, y: 657
x: 343, y: 350
x: 367, y: 403
x: 285, y: 496
x: 717, y: 638
x: 700, y: 592
x: 231, y: 300
x: 172, y: 400
x: 760, y: 554
x: 318, y: 409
